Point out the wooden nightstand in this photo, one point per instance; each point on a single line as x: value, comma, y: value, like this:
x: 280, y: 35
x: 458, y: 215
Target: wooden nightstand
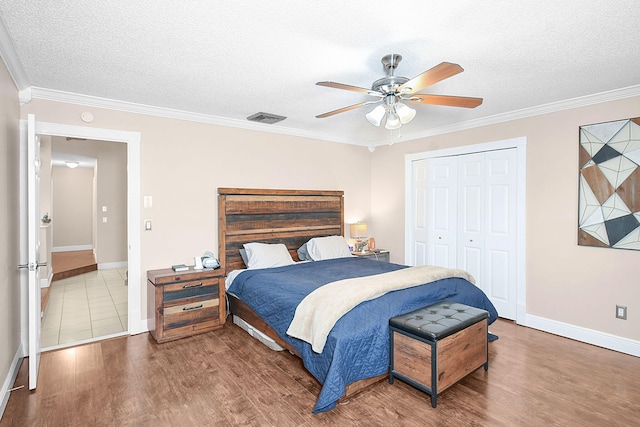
x: 184, y: 303
x: 380, y: 255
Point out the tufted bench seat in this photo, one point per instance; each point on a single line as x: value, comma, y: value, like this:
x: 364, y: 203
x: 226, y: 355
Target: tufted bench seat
x: 434, y: 347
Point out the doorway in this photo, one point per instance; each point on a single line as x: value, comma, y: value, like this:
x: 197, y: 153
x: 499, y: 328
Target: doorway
x: 132, y: 141
x: 434, y: 201
x: 87, y: 207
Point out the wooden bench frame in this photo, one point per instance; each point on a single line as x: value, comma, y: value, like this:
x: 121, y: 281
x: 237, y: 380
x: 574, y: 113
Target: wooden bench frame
x: 434, y: 365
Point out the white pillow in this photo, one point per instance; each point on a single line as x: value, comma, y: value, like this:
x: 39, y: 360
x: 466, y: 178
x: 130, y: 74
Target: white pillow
x: 264, y: 255
x: 320, y: 248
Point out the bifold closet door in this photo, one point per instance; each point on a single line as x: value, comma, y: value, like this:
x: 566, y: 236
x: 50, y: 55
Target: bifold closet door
x: 486, y: 223
x: 465, y: 217
x: 433, y: 216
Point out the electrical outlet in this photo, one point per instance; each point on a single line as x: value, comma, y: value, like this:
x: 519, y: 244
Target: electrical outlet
x: 621, y: 312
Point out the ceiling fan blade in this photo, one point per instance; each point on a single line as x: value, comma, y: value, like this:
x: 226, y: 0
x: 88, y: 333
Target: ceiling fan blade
x: 351, y: 88
x: 432, y: 76
x: 342, y: 110
x: 449, y: 101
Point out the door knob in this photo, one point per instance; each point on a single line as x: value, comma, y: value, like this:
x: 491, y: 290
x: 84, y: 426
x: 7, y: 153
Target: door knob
x: 32, y: 265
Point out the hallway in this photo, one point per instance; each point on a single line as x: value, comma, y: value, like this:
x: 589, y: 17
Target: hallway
x: 83, y: 305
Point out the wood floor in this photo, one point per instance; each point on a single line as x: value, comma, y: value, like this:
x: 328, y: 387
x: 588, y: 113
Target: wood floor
x: 226, y: 378
x: 72, y: 263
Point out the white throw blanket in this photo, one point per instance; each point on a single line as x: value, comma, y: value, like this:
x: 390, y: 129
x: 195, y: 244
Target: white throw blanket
x: 319, y: 311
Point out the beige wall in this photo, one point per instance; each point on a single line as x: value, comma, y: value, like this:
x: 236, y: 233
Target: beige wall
x: 10, y: 300
x: 72, y: 208
x: 183, y: 163
x: 565, y: 282
x: 110, y: 191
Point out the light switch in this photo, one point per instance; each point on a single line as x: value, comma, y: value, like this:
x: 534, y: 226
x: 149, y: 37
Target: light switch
x: 104, y: 209
x: 104, y: 219
x: 147, y: 224
x: 148, y: 201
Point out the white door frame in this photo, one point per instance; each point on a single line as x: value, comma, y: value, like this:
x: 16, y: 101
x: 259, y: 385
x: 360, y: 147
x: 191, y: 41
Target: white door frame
x: 520, y: 144
x: 132, y: 139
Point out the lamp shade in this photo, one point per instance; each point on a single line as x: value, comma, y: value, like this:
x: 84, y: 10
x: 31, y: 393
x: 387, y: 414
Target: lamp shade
x: 376, y: 115
x: 358, y: 230
x: 393, y: 122
x: 405, y: 113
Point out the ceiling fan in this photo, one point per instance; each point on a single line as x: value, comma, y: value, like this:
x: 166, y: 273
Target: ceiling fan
x: 391, y: 90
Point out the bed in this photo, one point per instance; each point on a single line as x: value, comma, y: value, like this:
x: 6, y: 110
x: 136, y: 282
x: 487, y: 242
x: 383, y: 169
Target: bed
x: 355, y: 352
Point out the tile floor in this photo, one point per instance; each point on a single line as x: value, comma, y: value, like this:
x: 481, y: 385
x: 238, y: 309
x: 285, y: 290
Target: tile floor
x: 86, y: 306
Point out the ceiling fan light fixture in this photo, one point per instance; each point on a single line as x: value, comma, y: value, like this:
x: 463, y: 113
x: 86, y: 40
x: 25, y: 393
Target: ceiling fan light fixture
x: 392, y: 89
x: 405, y: 113
x: 393, y: 122
x: 376, y: 115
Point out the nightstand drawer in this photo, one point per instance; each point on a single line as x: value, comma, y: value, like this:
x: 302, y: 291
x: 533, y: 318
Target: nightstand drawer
x: 191, y: 313
x: 188, y: 330
x: 190, y: 289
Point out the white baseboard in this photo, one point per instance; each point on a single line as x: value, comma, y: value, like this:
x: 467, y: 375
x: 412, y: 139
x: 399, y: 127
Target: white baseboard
x: 589, y: 336
x: 46, y: 282
x: 144, y: 327
x: 72, y: 248
x: 110, y: 265
x: 141, y: 327
x: 10, y: 379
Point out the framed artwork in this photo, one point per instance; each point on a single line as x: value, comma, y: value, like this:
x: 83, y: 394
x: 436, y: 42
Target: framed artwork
x: 609, y: 186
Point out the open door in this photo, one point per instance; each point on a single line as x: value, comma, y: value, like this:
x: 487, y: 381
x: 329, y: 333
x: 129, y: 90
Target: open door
x: 29, y: 132
x: 33, y: 243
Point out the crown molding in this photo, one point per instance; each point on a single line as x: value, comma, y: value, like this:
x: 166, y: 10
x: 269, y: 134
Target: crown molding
x: 29, y: 93
x: 10, y: 58
x: 111, y: 104
x: 553, y: 107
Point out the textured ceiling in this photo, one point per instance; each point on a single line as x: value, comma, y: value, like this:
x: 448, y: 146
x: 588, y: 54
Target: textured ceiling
x: 229, y: 60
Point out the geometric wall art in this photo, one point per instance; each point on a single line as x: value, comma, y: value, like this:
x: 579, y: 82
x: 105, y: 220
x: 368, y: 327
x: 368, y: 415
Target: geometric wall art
x: 609, y: 186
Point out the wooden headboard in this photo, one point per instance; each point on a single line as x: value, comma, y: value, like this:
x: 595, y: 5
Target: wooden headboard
x: 291, y: 217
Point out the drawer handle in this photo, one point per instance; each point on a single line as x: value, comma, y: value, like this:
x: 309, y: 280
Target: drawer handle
x: 197, y: 285
x: 195, y: 307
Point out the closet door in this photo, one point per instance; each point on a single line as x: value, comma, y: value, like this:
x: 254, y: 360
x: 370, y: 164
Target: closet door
x: 470, y: 216
x: 419, y: 213
x: 442, y: 194
x: 469, y: 220
x: 499, y: 279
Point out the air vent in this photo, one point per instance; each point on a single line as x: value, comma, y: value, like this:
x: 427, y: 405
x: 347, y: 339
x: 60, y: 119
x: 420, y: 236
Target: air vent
x: 265, y: 118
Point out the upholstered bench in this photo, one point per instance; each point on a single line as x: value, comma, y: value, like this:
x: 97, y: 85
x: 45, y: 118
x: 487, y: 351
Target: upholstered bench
x: 434, y: 347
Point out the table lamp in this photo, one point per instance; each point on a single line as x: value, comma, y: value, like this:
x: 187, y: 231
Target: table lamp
x: 358, y: 231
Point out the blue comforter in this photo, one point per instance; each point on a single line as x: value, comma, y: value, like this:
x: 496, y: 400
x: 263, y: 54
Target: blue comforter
x: 358, y: 345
